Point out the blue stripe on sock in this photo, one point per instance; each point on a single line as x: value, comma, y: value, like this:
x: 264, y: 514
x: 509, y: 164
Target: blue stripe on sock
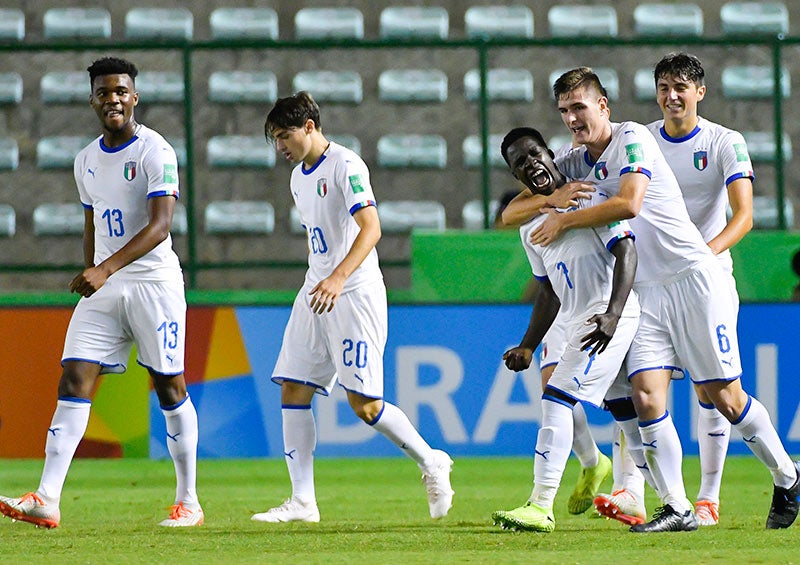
x: 745, y: 411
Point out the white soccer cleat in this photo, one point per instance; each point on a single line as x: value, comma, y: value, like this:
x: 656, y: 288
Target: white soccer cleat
x: 706, y: 513
x: 181, y: 517
x: 31, y: 508
x: 436, y: 479
x: 292, y: 510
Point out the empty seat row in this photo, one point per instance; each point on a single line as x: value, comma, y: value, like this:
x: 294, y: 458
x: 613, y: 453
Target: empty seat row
x: 398, y: 22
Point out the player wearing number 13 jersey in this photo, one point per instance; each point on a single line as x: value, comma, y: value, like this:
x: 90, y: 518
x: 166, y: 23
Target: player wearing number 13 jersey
x: 338, y: 325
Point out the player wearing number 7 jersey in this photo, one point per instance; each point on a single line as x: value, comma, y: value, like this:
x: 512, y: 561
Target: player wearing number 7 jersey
x: 338, y: 325
x: 132, y: 291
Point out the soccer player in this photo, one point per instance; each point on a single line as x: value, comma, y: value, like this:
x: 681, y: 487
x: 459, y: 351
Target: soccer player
x: 589, y: 275
x: 685, y: 323
x: 713, y: 169
x: 338, y: 325
x: 131, y: 289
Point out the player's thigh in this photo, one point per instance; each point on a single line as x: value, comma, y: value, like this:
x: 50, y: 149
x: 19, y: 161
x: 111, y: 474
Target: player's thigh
x: 156, y: 313
x: 554, y: 343
x: 652, y: 346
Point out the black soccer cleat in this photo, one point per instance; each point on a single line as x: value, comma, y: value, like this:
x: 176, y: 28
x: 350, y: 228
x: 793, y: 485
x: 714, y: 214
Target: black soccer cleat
x: 666, y: 519
x: 785, y: 504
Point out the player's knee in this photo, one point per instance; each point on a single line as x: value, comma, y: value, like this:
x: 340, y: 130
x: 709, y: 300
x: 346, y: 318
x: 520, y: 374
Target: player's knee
x: 170, y: 389
x: 77, y: 380
x: 367, y: 409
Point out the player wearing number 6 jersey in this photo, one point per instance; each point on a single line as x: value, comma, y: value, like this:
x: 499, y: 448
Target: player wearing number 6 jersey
x: 132, y: 291
x: 338, y: 325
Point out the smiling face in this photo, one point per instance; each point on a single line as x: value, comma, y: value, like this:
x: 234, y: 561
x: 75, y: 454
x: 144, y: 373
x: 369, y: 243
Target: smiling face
x: 532, y: 164
x: 113, y: 99
x: 678, y: 97
x: 585, y: 112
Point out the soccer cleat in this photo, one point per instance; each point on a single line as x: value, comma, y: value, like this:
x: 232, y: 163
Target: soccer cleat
x: 292, y: 510
x: 785, y: 504
x: 436, y: 479
x: 180, y: 516
x: 589, y: 485
x: 531, y: 518
x: 621, y: 505
x: 706, y: 513
x: 31, y: 508
x: 666, y: 519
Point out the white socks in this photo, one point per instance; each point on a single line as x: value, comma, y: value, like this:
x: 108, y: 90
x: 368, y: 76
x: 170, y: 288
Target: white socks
x: 760, y: 436
x: 662, y: 449
x: 552, y: 451
x: 583, y: 444
x: 395, y: 425
x: 299, y: 441
x: 713, y: 436
x: 66, y: 430
x: 181, y: 420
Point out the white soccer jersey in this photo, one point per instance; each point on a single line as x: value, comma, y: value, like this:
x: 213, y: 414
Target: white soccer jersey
x: 667, y: 240
x: 579, y: 266
x: 327, y: 195
x: 705, y: 162
x: 116, y: 183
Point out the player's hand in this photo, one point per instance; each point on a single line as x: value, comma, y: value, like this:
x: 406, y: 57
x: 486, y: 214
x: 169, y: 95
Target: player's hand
x: 325, y: 293
x: 89, y: 281
x: 568, y: 195
x: 550, y: 229
x: 518, y: 358
x: 598, y: 339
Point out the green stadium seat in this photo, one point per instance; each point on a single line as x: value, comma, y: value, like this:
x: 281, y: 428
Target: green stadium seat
x: 765, y: 212
x: 9, y: 154
x: 644, y: 85
x: 244, y: 23
x: 10, y: 88
x: 412, y: 85
x: 582, y: 20
x: 330, y: 86
x: 77, y: 23
x: 239, y: 151
x: 58, y: 219
x: 8, y: 221
x: 58, y: 152
x: 402, y: 216
x: 472, y: 214
x: 422, y: 151
x: 472, y: 149
x: 753, y: 81
x: 329, y: 23
x: 607, y: 75
x: 236, y: 87
x: 414, y: 22
x: 180, y: 220
x: 349, y: 141
x: 510, y: 85
x: 671, y: 20
x: 159, y: 23
x: 65, y: 87
x: 12, y: 25
x: 762, y: 148
x: 159, y: 87
x: 498, y: 21
x: 754, y: 18
x: 239, y: 217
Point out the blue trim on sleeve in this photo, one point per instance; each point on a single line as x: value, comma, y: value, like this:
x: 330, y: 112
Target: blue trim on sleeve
x: 356, y: 207
x: 314, y: 168
x: 174, y: 193
x: 633, y: 169
x: 625, y: 235
x: 686, y: 137
x: 746, y: 175
x: 107, y: 149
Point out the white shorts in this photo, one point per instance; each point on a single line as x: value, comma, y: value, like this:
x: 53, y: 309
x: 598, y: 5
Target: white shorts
x: 586, y: 378
x: 345, y: 344
x: 689, y: 323
x: 104, y: 327
x: 554, y: 342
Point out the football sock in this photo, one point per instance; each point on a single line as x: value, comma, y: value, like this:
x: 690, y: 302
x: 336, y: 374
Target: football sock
x: 552, y: 447
x: 583, y: 444
x: 616, y: 458
x: 299, y: 441
x: 635, y: 469
x: 181, y: 420
x: 760, y: 436
x: 664, y: 455
x: 395, y: 425
x: 713, y: 435
x: 66, y: 430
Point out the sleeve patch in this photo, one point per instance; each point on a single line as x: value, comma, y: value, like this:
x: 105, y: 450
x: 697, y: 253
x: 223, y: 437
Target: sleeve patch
x: 634, y: 152
x: 741, y: 152
x: 356, y: 183
x: 170, y: 174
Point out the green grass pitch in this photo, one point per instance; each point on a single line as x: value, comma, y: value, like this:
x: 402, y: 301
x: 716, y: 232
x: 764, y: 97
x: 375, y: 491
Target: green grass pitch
x: 374, y: 511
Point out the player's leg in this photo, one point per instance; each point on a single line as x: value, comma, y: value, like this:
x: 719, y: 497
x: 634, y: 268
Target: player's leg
x: 713, y: 436
x: 752, y: 421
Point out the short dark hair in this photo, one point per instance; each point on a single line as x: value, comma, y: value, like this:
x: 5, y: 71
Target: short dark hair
x: 680, y: 65
x: 518, y: 133
x: 292, y: 112
x: 577, y: 78
x: 111, y: 66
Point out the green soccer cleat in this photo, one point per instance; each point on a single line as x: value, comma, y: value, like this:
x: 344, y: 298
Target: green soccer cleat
x: 588, y: 485
x: 531, y: 518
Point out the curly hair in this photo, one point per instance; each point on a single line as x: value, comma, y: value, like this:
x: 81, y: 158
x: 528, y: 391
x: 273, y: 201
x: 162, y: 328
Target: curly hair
x: 111, y: 66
